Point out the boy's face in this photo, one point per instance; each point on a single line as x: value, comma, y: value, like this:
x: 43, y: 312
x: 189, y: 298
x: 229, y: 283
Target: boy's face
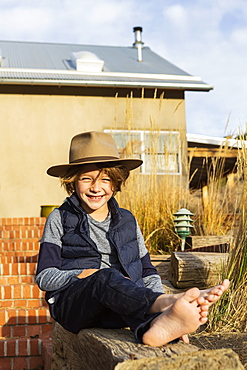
x: 94, y: 190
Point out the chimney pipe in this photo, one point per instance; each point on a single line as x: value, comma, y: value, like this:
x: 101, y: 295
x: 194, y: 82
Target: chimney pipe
x: 138, y: 42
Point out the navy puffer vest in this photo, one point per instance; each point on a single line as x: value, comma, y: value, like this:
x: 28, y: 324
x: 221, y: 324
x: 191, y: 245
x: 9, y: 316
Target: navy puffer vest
x: 80, y: 252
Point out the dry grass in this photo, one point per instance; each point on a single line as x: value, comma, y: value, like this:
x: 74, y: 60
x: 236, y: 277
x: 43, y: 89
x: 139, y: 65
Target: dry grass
x: 153, y: 199
x: 230, y: 313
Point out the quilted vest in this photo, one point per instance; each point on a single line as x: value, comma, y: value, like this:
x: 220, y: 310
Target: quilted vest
x: 80, y: 252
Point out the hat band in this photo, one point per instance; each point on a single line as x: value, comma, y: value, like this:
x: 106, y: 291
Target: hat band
x: 95, y: 159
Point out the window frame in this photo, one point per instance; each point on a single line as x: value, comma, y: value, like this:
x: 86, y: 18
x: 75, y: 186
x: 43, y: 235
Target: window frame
x: 142, y: 155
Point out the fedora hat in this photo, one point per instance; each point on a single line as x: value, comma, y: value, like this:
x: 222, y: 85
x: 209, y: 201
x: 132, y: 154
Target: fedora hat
x: 93, y: 147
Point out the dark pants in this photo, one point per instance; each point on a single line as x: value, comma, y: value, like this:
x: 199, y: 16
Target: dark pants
x: 105, y: 299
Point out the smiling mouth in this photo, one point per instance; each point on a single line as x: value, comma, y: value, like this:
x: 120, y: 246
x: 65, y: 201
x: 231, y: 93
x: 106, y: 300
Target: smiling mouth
x: 95, y: 197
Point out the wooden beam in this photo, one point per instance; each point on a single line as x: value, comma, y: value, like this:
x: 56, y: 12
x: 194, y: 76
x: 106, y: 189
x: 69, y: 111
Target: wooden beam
x: 213, y: 152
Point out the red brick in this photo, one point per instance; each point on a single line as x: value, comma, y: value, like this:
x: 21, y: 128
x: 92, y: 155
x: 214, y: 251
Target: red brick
x: 23, y: 268
x: 20, y: 363
x: 23, y: 347
x: 5, y: 331
x: 31, y: 316
x: 31, y: 303
x: 11, y: 347
x: 46, y: 328
x: 2, y: 351
x: 12, y: 280
x: 34, y: 330
x: 47, y: 353
x: 20, y: 221
x: 5, y: 269
x: 36, y: 292
x: 27, y: 280
x: 6, y: 364
x: 32, y: 267
x: 2, y: 317
x: 43, y: 317
x: 36, y: 362
x: 15, y: 268
x: 3, y: 281
x: 35, y: 347
x: 20, y: 303
x: 6, y: 303
x: 18, y: 291
x: 11, y: 314
x: 8, y: 292
x: 16, y: 221
x: 19, y: 331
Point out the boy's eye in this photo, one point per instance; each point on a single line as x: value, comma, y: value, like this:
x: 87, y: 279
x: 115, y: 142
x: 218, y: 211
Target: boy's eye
x: 85, y: 179
x: 106, y: 179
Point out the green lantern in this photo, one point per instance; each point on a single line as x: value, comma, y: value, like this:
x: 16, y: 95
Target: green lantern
x: 183, y: 225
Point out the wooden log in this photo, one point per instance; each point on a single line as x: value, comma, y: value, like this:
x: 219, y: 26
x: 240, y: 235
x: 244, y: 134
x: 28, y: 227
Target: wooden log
x: 103, y: 349
x: 202, y: 360
x: 217, y: 243
x: 161, y: 262
x: 196, y: 269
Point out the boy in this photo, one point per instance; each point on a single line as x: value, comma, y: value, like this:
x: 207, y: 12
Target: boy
x: 93, y: 263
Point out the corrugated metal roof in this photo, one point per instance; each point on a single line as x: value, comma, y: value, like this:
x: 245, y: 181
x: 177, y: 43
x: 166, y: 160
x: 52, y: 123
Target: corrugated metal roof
x: 49, y: 63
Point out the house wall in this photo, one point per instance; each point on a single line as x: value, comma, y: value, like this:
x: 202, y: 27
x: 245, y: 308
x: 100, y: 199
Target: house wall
x: 36, y: 131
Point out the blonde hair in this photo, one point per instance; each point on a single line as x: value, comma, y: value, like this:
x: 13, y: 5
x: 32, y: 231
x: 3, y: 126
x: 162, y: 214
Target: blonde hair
x: 118, y: 176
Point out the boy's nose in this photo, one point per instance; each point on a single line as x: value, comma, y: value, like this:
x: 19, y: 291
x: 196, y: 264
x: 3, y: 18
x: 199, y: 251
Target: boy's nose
x: 96, y: 186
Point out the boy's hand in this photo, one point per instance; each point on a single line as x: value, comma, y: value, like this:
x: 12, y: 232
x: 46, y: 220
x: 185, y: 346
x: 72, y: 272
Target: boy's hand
x: 86, y: 273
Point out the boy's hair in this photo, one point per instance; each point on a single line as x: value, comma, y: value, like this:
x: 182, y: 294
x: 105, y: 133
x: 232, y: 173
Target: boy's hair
x: 118, y: 176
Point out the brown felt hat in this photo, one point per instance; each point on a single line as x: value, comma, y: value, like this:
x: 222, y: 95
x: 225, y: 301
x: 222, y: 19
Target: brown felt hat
x: 93, y: 147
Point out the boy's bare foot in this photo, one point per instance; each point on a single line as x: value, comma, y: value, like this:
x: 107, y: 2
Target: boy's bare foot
x: 212, y: 295
x: 183, y: 317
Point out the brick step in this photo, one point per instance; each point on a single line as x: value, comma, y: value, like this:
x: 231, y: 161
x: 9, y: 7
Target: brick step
x: 17, y: 279
x: 22, y: 303
x: 19, y: 245
x: 21, y: 227
x: 19, y: 254
x: 20, y: 291
x: 11, y: 269
x: 25, y: 331
x: 21, y: 234
x: 18, y: 259
x: 24, y: 316
x: 23, y: 353
x: 27, y: 221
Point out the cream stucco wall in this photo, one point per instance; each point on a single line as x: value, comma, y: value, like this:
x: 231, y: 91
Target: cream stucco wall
x: 36, y: 131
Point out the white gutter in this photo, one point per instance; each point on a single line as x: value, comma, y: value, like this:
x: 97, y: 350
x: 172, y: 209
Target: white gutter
x: 183, y: 86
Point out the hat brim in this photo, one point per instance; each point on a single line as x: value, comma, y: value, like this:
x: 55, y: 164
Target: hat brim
x: 61, y: 170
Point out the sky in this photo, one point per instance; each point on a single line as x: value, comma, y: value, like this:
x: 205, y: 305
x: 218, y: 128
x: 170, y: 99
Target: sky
x: 206, y: 38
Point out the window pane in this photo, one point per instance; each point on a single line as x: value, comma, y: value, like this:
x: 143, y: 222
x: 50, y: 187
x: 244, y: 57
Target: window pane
x: 129, y: 144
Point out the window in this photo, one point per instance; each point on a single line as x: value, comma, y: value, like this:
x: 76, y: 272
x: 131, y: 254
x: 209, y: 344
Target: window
x: 159, y: 150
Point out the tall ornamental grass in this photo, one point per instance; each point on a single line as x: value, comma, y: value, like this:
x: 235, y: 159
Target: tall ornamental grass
x: 219, y: 209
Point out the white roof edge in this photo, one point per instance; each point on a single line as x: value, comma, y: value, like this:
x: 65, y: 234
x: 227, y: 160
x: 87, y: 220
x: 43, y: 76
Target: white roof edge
x: 105, y: 74
x: 214, y: 140
x: 181, y: 86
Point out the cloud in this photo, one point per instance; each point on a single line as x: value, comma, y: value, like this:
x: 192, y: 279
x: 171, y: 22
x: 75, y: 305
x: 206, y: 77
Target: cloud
x: 177, y: 16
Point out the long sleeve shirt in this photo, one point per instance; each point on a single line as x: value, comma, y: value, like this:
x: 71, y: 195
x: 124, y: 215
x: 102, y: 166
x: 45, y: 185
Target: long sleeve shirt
x: 52, y: 278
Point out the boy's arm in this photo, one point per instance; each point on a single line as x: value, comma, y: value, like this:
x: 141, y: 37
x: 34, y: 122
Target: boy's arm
x: 150, y: 275
x: 48, y: 275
